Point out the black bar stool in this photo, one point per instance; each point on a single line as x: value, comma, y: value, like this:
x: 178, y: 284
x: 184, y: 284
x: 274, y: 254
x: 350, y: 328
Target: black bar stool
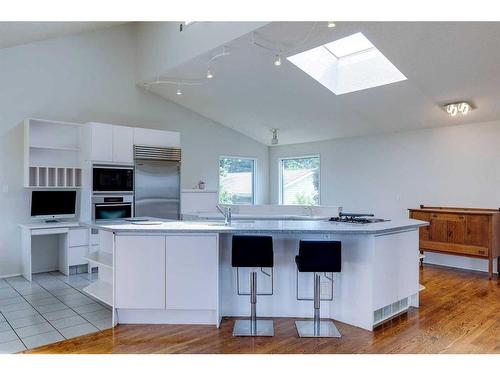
x: 254, y: 252
x: 318, y: 257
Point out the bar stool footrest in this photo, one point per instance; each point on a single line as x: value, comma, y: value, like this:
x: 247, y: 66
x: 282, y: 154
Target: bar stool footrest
x: 305, y: 328
x: 242, y: 327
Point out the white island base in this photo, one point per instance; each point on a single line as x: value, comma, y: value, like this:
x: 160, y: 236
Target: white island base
x: 185, y: 277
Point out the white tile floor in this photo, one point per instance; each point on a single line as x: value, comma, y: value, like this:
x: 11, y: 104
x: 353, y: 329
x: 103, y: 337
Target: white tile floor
x: 49, y: 309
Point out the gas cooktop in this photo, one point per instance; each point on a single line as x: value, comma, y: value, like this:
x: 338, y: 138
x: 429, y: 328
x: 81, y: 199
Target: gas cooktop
x: 356, y: 218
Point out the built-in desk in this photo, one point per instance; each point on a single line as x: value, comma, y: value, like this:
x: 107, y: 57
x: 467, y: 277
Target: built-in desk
x: 73, y: 243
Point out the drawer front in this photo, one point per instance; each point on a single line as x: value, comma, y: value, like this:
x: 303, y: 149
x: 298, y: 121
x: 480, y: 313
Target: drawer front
x: 448, y: 217
x: 76, y: 254
x: 454, y: 248
x: 78, y: 237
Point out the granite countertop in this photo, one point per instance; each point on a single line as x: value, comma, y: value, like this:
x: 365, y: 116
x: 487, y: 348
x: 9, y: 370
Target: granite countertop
x: 259, y: 226
x: 218, y: 216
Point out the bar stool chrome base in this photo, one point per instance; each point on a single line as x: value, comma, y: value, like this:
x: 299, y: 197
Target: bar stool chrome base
x: 309, y: 328
x: 243, y: 327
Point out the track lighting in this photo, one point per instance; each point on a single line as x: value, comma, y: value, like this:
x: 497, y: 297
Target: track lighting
x: 331, y: 24
x: 274, y: 140
x: 454, y: 109
x: 277, y: 60
x: 209, y: 74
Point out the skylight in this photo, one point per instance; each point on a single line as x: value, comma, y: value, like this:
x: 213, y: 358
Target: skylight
x: 349, y: 64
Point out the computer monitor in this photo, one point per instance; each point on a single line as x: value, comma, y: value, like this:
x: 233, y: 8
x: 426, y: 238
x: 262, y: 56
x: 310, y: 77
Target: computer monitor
x: 52, y: 205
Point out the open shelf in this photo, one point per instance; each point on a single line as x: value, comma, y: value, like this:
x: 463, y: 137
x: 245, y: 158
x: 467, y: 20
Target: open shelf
x: 100, y: 258
x: 52, y: 154
x: 100, y: 290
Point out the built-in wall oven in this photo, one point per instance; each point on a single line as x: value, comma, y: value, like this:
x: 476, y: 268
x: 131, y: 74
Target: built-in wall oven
x: 112, y: 179
x: 109, y: 207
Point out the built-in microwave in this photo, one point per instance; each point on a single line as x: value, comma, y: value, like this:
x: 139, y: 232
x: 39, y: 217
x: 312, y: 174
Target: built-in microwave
x: 112, y: 207
x: 112, y: 179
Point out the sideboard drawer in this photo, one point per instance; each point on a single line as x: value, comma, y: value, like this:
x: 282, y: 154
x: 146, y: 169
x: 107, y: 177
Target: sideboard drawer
x: 446, y: 247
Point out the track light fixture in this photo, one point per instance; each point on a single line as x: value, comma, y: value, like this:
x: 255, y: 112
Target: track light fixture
x: 274, y: 140
x: 277, y: 60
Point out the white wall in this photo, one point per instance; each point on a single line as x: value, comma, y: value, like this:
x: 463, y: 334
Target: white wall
x: 388, y: 173
x: 91, y: 77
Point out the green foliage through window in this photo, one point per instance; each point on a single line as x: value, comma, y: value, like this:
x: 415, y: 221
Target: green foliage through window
x: 300, y: 180
x: 236, y: 181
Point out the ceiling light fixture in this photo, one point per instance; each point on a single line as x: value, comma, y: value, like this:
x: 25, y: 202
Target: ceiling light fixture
x: 331, y: 24
x: 277, y: 60
x: 461, y: 108
x: 209, y: 74
x: 179, y: 92
x: 274, y: 140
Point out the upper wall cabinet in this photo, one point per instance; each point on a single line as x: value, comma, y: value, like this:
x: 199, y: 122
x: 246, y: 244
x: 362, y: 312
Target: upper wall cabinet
x: 123, y: 144
x: 111, y: 143
x: 102, y: 142
x: 158, y: 138
x: 52, y: 154
x: 115, y: 144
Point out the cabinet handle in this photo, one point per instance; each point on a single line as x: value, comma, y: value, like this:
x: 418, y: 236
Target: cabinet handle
x: 481, y: 251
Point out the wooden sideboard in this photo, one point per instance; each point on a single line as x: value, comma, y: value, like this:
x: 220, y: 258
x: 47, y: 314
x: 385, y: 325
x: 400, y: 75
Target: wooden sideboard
x: 470, y: 232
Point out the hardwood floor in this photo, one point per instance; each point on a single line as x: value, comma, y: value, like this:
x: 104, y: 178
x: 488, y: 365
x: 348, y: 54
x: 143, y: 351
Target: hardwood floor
x: 459, y: 313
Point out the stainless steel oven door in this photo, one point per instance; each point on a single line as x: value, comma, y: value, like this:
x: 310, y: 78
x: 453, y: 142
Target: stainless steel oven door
x: 112, y: 207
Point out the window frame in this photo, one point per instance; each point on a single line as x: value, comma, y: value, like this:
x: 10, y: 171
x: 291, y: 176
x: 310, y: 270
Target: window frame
x: 280, y: 182
x: 254, y: 175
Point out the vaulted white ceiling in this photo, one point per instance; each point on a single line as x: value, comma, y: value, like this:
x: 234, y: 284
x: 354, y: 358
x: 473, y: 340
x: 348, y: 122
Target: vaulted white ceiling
x: 16, y: 33
x: 443, y: 62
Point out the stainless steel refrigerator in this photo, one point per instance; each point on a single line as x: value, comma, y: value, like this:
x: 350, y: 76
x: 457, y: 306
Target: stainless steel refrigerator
x: 157, y: 179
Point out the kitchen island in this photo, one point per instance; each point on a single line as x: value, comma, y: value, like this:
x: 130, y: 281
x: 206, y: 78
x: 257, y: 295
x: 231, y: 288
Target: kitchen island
x: 161, y: 272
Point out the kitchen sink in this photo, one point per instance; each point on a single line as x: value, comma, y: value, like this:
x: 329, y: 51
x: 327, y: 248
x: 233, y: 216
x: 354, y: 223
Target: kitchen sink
x: 221, y: 224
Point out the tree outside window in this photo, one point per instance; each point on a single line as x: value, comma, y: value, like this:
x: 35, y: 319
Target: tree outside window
x: 300, y: 183
x: 236, y: 180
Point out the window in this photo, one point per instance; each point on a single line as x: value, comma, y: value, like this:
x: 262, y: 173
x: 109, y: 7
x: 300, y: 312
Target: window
x: 236, y: 180
x: 299, y: 180
x: 349, y: 64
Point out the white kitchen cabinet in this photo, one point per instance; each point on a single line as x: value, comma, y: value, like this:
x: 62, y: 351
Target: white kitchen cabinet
x: 158, y: 138
x: 102, y: 140
x: 78, y: 237
x: 192, y: 272
x: 123, y: 144
x: 140, y: 272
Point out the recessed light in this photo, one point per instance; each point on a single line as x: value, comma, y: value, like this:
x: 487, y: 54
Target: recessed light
x: 349, y: 64
x: 331, y: 24
x: 209, y: 74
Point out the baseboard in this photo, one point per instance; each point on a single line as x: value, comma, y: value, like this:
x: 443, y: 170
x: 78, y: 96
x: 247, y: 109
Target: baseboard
x: 11, y: 275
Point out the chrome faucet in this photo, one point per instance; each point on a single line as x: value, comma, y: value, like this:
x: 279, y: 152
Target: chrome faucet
x: 226, y: 211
